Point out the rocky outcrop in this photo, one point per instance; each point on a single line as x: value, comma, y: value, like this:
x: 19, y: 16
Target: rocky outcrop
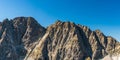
x: 67, y: 41
x: 22, y: 38
x: 17, y: 36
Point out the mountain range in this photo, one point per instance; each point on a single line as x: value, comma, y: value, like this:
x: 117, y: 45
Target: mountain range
x: 23, y: 38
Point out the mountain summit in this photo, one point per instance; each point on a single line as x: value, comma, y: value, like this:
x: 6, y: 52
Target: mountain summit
x: 23, y: 38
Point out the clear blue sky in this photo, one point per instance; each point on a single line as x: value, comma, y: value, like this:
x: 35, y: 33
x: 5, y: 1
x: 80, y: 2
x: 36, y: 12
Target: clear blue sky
x: 96, y: 14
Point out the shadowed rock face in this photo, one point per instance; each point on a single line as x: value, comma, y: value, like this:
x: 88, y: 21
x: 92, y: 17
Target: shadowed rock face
x: 22, y: 38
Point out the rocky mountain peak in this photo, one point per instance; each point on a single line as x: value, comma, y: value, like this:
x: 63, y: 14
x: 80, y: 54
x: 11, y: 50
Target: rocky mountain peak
x: 23, y: 38
x: 17, y: 35
x: 98, y: 31
x: 59, y: 23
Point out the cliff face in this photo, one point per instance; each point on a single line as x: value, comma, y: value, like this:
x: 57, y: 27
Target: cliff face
x: 22, y: 38
x: 17, y: 36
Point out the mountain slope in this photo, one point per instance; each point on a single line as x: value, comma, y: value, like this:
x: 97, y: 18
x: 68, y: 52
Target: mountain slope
x: 22, y: 38
x: 17, y: 36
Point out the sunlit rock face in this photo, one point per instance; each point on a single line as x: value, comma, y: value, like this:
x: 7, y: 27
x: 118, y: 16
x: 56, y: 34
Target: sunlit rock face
x: 23, y: 38
x: 110, y: 57
x: 115, y: 55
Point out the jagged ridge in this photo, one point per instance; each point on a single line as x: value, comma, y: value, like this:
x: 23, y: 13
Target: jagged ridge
x: 22, y: 38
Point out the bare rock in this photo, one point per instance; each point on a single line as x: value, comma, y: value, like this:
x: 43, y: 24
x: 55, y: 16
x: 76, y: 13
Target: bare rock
x: 23, y: 38
x: 14, y: 44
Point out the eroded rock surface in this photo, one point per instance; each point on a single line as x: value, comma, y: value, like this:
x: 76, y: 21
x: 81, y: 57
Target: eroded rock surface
x: 22, y: 38
x: 18, y: 36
